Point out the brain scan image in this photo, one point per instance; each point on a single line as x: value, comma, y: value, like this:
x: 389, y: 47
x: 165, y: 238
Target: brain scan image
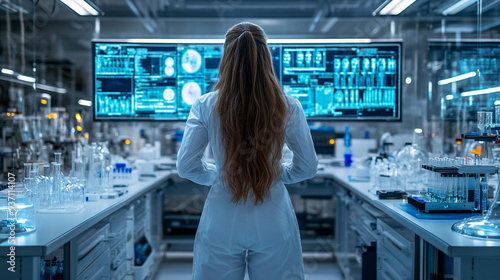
x: 366, y: 64
x: 300, y: 58
x: 345, y: 64
x: 169, y: 61
x: 190, y: 91
x: 336, y: 64
x: 287, y: 58
x: 169, y: 94
x: 191, y: 61
x: 169, y: 71
x: 382, y: 64
x: 354, y: 64
x: 308, y: 58
x: 169, y: 66
x: 318, y: 58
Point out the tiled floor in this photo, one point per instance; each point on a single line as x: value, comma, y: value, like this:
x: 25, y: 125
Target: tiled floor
x: 178, y: 265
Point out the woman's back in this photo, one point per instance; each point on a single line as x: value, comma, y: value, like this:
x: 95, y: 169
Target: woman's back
x: 248, y: 219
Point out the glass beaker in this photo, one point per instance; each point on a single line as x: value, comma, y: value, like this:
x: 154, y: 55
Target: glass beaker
x: 17, y: 215
x: 486, y: 226
x: 488, y: 122
x: 481, y: 121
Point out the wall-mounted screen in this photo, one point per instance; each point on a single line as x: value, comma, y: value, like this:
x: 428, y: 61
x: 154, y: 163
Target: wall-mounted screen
x: 161, y: 79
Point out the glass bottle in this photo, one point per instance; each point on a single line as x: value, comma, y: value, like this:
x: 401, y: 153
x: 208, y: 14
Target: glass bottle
x: 57, y: 183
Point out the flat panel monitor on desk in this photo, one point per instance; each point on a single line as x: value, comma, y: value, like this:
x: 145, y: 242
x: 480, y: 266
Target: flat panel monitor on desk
x: 161, y: 79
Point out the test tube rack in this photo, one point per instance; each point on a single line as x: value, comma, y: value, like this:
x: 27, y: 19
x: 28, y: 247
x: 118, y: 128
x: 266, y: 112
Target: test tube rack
x: 462, y: 188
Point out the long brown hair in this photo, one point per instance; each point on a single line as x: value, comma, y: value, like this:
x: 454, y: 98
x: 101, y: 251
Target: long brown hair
x: 252, y: 113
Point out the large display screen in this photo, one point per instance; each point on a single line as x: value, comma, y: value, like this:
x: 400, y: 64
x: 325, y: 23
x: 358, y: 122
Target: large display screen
x: 161, y: 79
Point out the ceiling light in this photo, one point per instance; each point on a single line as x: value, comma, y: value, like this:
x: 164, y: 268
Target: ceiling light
x: 81, y: 7
x: 480, y: 91
x: 26, y: 78
x: 7, y: 71
x: 449, y: 97
x: 457, y: 7
x: 12, y: 8
x: 85, y: 102
x: 395, y: 7
x: 51, y: 88
x: 456, y: 78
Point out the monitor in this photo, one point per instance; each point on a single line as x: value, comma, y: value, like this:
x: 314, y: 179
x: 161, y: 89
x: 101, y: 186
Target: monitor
x: 161, y: 79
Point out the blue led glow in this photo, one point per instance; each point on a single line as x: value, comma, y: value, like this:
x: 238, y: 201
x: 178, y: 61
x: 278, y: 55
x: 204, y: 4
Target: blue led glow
x: 160, y: 81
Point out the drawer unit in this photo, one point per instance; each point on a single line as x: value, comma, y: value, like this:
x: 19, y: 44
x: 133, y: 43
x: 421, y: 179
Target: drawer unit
x: 90, y: 245
x: 120, y: 272
x: 389, y: 267
x: 363, y: 226
x: 395, y: 248
x: 98, y: 269
x: 118, y: 254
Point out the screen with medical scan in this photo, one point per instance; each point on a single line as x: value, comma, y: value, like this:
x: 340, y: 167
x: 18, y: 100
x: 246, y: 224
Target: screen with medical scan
x: 162, y: 80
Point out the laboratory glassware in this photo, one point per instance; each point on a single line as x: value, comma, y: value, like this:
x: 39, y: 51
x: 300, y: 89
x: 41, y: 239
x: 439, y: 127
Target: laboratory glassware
x: 486, y: 226
x: 409, y: 161
x: 20, y: 215
x: 481, y: 121
x: 497, y: 116
x: 488, y: 121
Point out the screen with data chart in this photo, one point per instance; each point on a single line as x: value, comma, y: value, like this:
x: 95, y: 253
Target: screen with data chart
x: 161, y: 79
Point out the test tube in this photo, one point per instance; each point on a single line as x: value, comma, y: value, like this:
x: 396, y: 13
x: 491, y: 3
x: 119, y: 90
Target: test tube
x: 477, y: 193
x: 484, y: 193
x: 43, y: 188
x: 55, y: 190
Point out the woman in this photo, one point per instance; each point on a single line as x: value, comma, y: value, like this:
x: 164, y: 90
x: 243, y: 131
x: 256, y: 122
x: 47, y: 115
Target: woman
x: 248, y: 218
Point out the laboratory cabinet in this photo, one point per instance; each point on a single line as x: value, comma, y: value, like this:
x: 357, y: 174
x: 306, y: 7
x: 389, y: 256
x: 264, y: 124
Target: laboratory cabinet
x: 109, y: 239
x: 395, y: 250
x: 408, y: 246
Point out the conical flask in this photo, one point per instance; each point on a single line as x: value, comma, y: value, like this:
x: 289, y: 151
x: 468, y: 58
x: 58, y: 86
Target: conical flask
x: 486, y: 226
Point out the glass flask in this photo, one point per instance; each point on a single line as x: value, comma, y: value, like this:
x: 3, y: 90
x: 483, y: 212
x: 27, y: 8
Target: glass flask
x: 486, y: 226
x: 76, y: 194
x: 481, y: 121
x: 409, y: 160
x: 44, y: 187
x: 17, y: 211
x: 56, y: 184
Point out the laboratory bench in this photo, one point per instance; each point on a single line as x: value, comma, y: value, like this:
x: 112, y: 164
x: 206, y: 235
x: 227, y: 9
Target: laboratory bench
x: 371, y: 236
x: 408, y: 244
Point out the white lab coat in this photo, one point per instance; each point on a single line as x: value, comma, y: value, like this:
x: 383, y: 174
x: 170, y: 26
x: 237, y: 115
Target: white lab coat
x: 266, y: 235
